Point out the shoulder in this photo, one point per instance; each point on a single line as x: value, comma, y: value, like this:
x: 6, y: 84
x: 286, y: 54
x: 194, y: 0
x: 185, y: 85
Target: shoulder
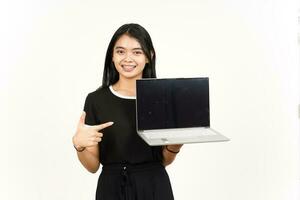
x: 100, y: 94
x: 101, y: 91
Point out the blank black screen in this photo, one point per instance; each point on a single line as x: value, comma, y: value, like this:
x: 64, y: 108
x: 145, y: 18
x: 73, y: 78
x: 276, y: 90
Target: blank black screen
x: 172, y: 103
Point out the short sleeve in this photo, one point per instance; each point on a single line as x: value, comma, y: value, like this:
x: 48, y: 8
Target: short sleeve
x: 90, y: 118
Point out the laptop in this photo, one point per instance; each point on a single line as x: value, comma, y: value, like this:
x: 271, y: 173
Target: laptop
x: 174, y: 111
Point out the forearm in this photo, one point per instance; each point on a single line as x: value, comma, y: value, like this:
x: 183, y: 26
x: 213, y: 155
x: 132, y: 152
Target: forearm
x: 89, y: 160
x: 169, y: 154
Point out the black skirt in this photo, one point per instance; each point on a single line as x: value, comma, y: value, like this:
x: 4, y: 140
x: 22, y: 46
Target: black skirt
x: 134, y: 182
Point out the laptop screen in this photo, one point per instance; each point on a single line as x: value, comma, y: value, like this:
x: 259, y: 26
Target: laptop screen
x: 172, y: 103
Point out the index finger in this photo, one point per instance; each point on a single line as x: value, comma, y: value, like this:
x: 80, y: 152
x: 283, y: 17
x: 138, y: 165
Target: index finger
x: 103, y: 126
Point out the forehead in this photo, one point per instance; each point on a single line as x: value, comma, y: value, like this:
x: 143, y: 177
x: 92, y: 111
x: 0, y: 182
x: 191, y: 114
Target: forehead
x: 125, y: 41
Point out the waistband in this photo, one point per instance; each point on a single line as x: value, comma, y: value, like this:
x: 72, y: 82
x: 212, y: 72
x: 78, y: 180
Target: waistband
x: 132, y: 168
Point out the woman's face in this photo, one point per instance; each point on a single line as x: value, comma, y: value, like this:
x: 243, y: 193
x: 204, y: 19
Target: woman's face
x: 129, y: 58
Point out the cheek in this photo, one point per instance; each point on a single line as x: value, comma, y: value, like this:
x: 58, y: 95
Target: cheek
x: 142, y: 61
x: 116, y: 58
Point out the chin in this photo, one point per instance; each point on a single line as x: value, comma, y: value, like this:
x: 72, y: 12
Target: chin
x: 132, y: 76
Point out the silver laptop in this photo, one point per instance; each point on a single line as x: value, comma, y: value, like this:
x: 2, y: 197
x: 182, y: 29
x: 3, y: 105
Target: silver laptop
x: 174, y: 111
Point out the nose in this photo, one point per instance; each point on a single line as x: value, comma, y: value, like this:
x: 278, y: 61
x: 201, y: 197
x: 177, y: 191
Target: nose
x: 128, y: 57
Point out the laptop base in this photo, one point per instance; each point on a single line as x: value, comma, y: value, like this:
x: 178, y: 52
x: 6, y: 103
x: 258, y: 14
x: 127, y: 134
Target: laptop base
x: 181, y: 136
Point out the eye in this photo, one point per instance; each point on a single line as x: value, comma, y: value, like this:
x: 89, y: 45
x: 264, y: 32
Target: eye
x: 138, y: 52
x: 120, y: 51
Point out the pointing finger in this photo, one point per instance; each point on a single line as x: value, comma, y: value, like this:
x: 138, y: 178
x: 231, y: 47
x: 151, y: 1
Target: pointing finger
x: 103, y: 126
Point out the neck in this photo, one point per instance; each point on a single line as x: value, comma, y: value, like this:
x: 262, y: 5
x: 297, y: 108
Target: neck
x: 126, y: 87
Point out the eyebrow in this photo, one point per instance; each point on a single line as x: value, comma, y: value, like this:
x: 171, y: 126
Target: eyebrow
x: 119, y: 47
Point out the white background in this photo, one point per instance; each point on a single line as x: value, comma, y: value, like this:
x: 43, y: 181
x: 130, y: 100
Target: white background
x: 52, y: 55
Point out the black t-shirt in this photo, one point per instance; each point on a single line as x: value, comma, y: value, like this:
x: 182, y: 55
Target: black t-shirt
x: 120, y: 142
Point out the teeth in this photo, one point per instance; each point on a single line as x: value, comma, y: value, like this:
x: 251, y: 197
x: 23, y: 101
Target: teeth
x: 128, y: 67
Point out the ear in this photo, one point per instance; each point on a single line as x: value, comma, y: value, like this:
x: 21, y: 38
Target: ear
x: 152, y: 54
x: 147, y: 61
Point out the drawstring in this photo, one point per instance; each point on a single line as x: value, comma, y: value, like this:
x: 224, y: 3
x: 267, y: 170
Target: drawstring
x: 126, y: 176
x: 126, y: 184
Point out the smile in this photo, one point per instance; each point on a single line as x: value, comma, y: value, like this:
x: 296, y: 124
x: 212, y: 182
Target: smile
x: 128, y: 68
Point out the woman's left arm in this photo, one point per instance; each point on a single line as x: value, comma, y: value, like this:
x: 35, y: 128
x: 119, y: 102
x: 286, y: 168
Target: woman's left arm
x: 169, y: 153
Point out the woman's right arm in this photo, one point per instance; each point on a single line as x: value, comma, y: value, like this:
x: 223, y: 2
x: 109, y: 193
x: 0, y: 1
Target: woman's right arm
x: 89, y: 158
x: 86, y: 141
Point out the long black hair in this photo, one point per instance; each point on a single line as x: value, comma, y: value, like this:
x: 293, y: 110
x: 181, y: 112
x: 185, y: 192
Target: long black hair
x: 110, y: 74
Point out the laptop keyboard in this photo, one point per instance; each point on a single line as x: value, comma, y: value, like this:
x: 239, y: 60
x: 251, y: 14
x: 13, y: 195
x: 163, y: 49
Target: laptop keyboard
x: 175, y: 133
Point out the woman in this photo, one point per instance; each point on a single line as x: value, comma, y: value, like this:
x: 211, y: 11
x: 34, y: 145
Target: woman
x: 106, y: 132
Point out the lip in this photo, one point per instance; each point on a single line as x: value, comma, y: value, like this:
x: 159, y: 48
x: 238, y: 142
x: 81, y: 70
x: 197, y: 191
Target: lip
x: 128, y: 65
x: 128, y: 68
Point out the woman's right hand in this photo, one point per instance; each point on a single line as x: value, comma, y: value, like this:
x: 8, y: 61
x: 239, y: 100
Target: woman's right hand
x: 87, y: 136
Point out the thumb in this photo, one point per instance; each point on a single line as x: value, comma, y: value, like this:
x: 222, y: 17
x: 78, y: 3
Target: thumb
x: 82, y: 119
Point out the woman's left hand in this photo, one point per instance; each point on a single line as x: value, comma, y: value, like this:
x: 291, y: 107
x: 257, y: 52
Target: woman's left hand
x: 175, y: 147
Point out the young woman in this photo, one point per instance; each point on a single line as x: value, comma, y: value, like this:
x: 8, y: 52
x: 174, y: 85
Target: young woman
x: 106, y: 132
